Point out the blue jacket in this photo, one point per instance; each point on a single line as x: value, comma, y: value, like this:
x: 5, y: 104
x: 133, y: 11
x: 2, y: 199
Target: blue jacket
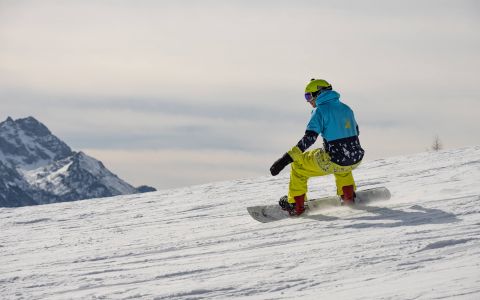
x: 335, y: 122
x: 331, y: 118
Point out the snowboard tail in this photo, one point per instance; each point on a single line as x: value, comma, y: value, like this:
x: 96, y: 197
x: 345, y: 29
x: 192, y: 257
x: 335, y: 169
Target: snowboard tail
x: 273, y: 212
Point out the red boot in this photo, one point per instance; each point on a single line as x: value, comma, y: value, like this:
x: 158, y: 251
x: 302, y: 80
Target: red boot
x: 299, y: 204
x: 348, y: 196
x: 294, y: 209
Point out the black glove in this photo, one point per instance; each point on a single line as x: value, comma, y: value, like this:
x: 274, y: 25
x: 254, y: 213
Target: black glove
x: 280, y: 164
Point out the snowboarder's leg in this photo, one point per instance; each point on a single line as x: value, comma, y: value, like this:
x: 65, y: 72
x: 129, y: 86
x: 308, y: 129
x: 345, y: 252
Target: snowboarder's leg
x: 305, y: 166
x: 345, y: 183
x: 342, y: 180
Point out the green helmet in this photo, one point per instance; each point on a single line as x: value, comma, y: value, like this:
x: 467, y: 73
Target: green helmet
x: 316, y: 85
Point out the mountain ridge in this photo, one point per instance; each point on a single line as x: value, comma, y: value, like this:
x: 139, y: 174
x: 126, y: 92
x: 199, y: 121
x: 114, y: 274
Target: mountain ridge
x: 38, y: 168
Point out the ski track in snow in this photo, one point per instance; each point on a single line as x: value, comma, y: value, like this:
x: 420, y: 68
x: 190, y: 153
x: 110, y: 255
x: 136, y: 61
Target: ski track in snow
x: 200, y: 243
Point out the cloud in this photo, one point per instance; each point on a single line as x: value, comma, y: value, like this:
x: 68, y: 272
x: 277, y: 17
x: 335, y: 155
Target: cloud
x: 226, y: 76
x: 156, y: 49
x: 157, y: 124
x: 180, y: 167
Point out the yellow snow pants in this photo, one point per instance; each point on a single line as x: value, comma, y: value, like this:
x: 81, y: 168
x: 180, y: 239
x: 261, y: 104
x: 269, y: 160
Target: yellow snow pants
x: 316, y: 163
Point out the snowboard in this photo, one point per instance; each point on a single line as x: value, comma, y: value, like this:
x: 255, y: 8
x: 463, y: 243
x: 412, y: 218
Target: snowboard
x: 273, y: 212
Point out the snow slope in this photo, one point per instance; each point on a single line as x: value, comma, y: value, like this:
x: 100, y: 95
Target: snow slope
x: 200, y: 243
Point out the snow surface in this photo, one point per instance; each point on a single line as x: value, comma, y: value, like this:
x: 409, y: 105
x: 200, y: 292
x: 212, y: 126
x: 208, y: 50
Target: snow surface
x: 200, y: 243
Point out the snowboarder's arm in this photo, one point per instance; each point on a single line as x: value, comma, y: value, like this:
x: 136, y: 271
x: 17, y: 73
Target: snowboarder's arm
x: 308, y: 139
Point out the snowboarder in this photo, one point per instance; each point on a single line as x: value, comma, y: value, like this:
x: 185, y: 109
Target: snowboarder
x: 341, y: 152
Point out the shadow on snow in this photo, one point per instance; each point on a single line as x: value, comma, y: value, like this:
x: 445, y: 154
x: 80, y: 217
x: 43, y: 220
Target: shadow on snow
x: 418, y: 216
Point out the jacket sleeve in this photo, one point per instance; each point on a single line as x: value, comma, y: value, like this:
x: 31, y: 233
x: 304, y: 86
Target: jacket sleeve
x: 308, y: 139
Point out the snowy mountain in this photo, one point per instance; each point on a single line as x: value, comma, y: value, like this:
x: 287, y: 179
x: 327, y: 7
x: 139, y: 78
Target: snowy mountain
x: 200, y: 243
x: 27, y: 144
x: 37, y: 168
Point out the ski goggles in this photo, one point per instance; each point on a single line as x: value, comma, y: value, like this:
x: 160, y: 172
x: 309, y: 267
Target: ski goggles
x: 309, y: 97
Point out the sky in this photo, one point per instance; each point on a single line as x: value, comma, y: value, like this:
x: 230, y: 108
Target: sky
x: 178, y: 93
